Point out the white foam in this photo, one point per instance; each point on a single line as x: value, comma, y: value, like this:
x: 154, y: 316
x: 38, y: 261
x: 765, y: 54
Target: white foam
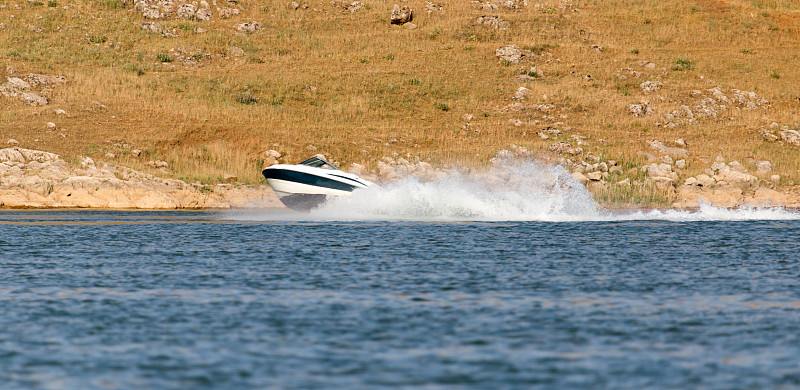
x: 522, y: 191
x: 511, y: 191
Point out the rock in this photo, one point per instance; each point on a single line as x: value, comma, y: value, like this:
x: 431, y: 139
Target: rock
x: 51, y: 126
x: 18, y: 85
x: 660, y: 170
x: 248, y: 27
x: 597, y: 48
x: 640, y: 110
x: 737, y: 166
x: 765, y: 197
x: 136, y: 152
x: 432, y: 7
x: 705, y: 180
x: 227, y: 13
x: 521, y: 93
x: 775, y: 178
x: 768, y: 135
x: 691, y: 181
x: 273, y: 153
x: 33, y: 99
x: 44, y: 80
x: 680, y: 164
x: 186, y: 11
x: 409, y: 26
x: 739, y: 179
x: 650, y: 86
x: 157, y: 164
x: 594, y: 176
x: 658, y: 145
x: 724, y: 196
x: 294, y: 5
x: 667, y: 160
x: 488, y: 6
x: 110, y: 155
x: 511, y: 54
x: 12, y: 142
x: 355, y: 7
x: 650, y: 65
x: 230, y: 178
x: 203, y: 15
x: 560, y: 147
x: 791, y: 137
x: 580, y: 177
x: 87, y: 163
x: 494, y: 22
x: 401, y: 14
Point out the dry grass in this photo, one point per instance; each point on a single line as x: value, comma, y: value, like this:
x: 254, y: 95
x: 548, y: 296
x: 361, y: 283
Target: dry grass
x: 358, y: 89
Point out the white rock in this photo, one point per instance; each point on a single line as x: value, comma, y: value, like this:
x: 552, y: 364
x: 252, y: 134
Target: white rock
x: 680, y: 164
x: 33, y: 99
x: 51, y: 126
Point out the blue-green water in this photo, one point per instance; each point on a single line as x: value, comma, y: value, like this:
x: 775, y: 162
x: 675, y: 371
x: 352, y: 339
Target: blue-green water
x: 181, y: 300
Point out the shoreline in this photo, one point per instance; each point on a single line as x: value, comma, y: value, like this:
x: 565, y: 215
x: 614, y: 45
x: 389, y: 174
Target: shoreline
x: 33, y: 179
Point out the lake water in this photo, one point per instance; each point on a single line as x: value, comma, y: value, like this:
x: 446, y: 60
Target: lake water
x: 371, y: 296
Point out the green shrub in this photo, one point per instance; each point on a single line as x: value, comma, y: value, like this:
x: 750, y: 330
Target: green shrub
x: 163, y: 57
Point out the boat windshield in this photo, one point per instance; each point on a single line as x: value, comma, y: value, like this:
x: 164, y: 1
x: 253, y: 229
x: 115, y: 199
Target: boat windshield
x: 317, y: 162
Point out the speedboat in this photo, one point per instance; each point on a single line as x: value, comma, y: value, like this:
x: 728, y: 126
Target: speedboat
x: 305, y: 186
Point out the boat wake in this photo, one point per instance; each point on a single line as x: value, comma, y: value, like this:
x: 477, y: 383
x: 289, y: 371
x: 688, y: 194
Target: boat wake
x: 513, y: 191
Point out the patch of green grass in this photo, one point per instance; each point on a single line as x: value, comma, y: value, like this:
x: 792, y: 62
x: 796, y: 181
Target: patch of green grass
x: 774, y: 75
x: 683, y: 63
x: 163, y: 57
x: 415, y: 82
x: 98, y: 38
x: 52, y: 4
x: 443, y: 107
x: 186, y: 26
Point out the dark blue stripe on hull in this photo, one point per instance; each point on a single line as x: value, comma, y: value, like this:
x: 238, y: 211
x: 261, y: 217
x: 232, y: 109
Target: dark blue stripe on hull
x: 306, y: 178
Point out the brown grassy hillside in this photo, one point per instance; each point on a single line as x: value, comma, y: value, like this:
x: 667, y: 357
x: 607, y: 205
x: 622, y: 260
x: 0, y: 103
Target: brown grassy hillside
x: 358, y: 89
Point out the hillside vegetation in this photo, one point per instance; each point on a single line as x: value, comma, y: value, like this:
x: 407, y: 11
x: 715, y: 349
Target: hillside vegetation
x: 339, y: 79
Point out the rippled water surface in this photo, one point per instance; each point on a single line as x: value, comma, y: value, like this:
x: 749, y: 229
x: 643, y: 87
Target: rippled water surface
x: 261, y: 299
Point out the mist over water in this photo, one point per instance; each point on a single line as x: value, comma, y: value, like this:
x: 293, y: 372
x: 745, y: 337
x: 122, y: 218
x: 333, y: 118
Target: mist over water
x: 514, y: 190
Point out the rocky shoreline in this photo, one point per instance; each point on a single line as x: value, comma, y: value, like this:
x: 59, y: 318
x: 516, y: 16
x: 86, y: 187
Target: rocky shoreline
x: 37, y: 179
